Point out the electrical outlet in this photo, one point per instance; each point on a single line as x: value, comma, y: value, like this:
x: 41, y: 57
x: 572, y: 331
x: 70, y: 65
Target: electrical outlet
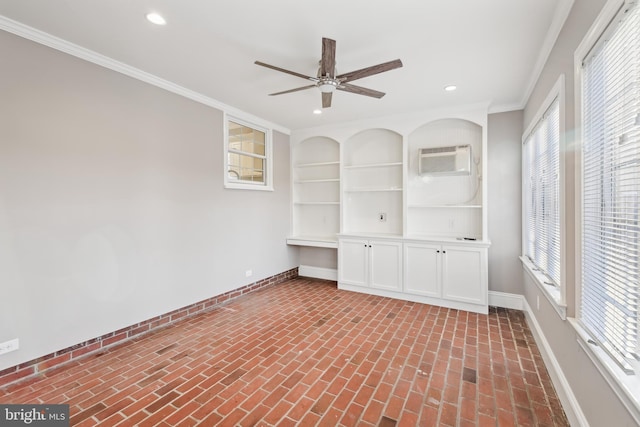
x: 248, y: 273
x: 538, y: 302
x: 382, y: 217
x: 9, y: 346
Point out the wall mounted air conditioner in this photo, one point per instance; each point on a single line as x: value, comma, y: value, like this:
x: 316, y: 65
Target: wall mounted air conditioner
x: 443, y: 161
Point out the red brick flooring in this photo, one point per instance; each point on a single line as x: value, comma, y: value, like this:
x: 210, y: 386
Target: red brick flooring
x: 304, y: 353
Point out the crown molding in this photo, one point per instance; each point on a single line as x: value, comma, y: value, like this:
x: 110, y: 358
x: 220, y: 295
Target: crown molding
x: 88, y: 55
x: 505, y: 108
x: 559, y: 18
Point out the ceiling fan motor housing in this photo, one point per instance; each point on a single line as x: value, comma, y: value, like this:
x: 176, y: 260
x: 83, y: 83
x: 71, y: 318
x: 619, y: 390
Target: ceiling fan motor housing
x: 328, y: 85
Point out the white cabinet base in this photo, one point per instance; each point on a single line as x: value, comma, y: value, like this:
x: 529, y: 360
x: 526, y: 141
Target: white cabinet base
x: 375, y: 264
x: 443, y: 273
x: 438, y: 302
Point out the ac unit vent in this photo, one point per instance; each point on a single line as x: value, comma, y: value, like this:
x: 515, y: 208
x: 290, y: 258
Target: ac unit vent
x: 452, y: 160
x: 438, y: 150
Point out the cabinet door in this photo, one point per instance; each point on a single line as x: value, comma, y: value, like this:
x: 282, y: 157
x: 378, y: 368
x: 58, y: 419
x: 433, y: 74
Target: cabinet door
x: 464, y: 274
x: 353, y: 261
x: 386, y: 265
x: 422, y: 269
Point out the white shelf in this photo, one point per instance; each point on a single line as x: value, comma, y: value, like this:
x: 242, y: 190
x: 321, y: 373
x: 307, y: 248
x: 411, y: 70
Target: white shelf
x: 313, y: 241
x: 312, y: 165
x: 421, y: 237
x: 427, y: 206
x: 316, y: 203
x: 371, y: 190
x: 307, y: 181
x: 368, y: 234
x: 373, y: 165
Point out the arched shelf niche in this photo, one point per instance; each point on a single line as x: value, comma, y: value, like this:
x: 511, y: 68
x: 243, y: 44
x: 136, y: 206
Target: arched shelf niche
x: 447, y: 203
x: 372, y: 182
x: 316, y: 192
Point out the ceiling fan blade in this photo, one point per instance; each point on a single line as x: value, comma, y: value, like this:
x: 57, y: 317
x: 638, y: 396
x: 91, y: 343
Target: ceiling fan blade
x: 370, y: 71
x: 292, y: 90
x: 293, y: 73
x: 326, y: 99
x: 328, y: 62
x: 360, y: 90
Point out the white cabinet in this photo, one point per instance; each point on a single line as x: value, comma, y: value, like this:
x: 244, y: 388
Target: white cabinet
x: 454, y: 273
x: 448, y: 274
x: 368, y: 263
x: 422, y: 269
x: 353, y: 262
x: 385, y: 264
x: 464, y: 274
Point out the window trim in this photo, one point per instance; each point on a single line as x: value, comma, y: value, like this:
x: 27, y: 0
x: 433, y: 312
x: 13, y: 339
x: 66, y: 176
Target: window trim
x: 557, y: 295
x: 268, y: 171
x: 625, y: 386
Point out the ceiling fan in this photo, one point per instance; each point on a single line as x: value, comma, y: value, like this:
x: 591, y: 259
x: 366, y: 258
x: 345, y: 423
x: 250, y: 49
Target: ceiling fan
x: 327, y: 80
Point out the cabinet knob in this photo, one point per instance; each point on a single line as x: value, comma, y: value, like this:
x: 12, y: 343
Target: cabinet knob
x: 369, y: 245
x: 437, y: 252
x: 444, y: 252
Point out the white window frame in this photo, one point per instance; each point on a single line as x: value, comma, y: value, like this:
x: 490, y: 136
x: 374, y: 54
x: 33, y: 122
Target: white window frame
x: 626, y: 387
x: 555, y: 294
x: 267, y: 185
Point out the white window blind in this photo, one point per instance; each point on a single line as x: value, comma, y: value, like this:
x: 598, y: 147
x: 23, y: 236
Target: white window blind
x: 541, y: 182
x: 611, y: 188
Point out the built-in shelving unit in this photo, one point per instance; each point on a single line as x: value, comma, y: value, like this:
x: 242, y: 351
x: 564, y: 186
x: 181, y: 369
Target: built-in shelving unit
x: 405, y: 210
x: 372, y: 182
x: 316, y: 193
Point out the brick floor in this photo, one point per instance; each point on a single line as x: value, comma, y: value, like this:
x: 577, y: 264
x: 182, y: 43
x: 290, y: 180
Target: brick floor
x: 304, y: 353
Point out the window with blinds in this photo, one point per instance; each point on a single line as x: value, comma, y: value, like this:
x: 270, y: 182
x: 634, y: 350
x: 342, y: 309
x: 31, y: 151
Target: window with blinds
x: 609, y: 305
x: 541, y: 185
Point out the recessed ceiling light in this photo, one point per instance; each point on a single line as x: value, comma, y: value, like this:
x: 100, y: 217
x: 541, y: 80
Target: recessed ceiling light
x: 317, y: 111
x: 450, y: 88
x: 156, y: 18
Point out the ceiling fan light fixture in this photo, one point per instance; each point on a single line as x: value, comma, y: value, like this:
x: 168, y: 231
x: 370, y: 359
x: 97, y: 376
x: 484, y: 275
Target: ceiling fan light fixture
x: 328, y: 85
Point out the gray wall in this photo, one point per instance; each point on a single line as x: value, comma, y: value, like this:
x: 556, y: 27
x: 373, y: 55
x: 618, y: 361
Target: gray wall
x: 319, y: 257
x: 504, y: 134
x: 597, y: 400
x: 112, y: 206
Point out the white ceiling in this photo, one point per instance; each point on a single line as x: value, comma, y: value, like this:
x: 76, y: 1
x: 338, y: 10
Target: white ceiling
x: 491, y: 49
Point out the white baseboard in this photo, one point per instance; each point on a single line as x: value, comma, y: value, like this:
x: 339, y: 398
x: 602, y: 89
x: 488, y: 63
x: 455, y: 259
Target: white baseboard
x: 496, y: 299
x: 318, y: 272
x: 569, y: 402
x: 505, y: 300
